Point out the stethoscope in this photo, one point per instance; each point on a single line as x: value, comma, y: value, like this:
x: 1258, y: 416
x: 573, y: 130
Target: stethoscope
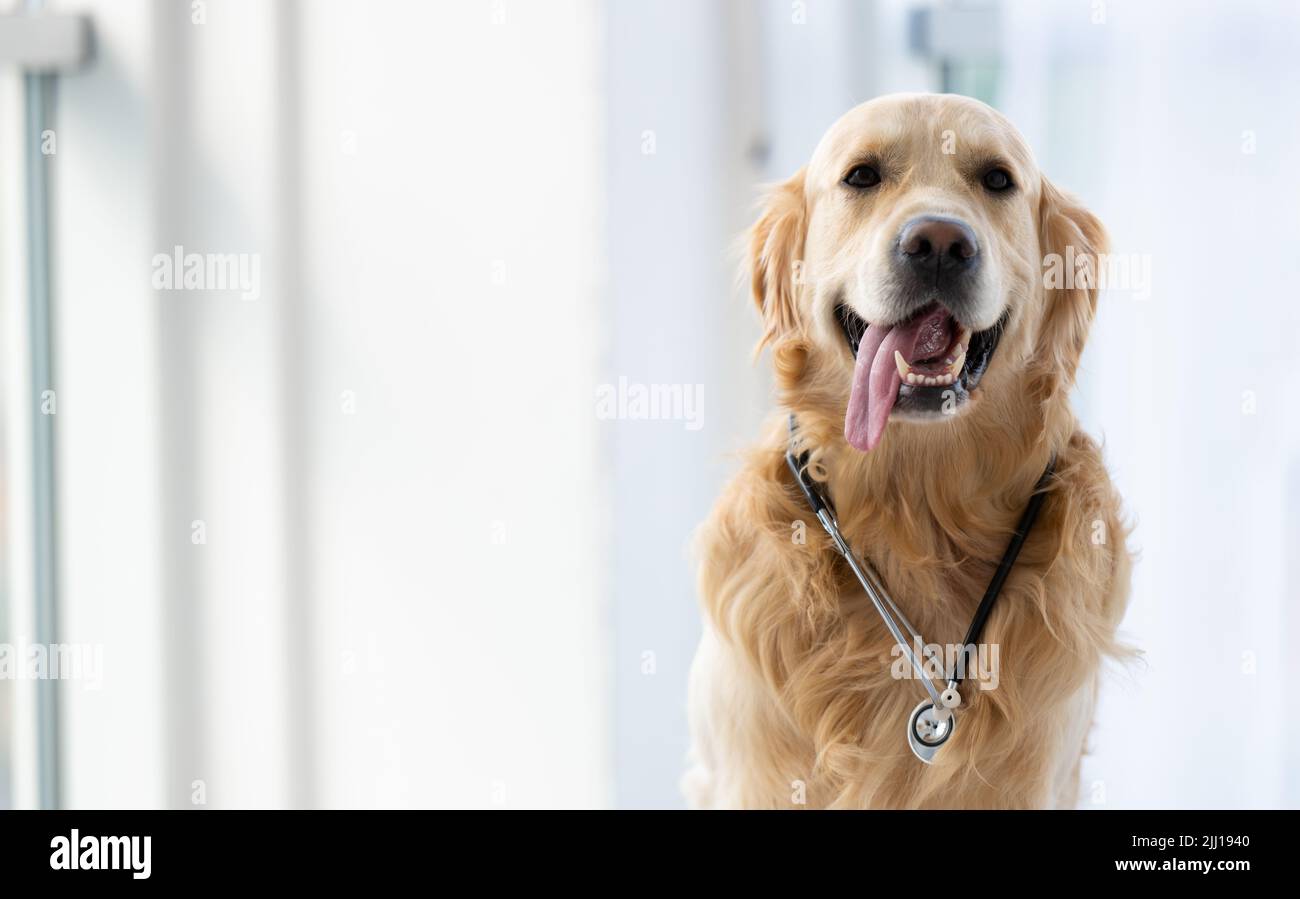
x: 933, y: 722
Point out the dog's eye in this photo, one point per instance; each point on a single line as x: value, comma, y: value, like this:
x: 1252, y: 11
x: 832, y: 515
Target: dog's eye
x: 862, y: 176
x: 997, y: 180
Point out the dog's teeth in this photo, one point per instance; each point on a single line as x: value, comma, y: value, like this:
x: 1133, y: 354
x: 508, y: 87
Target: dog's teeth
x: 955, y: 365
x: 903, y: 368
x: 912, y: 378
x: 930, y: 382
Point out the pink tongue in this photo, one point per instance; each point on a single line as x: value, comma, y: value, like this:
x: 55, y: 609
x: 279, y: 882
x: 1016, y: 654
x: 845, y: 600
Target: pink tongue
x: 876, y: 378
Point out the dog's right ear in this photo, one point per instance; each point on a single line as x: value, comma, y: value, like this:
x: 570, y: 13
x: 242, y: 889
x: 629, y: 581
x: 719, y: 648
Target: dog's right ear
x: 776, y: 258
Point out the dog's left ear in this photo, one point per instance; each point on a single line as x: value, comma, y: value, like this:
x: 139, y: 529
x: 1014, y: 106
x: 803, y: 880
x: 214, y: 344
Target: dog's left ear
x: 775, y: 258
x: 1071, y: 239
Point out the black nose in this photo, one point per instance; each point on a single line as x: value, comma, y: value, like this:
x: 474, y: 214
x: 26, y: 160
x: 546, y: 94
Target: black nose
x: 933, y: 245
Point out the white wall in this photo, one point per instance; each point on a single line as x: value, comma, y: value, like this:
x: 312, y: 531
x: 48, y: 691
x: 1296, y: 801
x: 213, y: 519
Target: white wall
x: 452, y: 266
x: 106, y: 352
x: 671, y: 323
x: 399, y: 600
x: 18, y: 785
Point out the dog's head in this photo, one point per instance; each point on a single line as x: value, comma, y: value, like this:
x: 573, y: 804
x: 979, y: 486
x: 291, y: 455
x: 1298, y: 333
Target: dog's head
x: 907, y: 259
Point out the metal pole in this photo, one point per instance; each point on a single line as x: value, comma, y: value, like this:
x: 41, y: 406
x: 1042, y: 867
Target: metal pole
x: 38, y: 90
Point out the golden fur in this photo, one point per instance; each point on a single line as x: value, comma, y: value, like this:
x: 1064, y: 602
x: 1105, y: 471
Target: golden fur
x: 792, y: 700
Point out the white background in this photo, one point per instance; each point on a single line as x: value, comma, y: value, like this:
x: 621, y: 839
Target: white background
x: 392, y: 449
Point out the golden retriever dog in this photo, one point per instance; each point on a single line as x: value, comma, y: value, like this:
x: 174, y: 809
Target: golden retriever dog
x: 927, y: 360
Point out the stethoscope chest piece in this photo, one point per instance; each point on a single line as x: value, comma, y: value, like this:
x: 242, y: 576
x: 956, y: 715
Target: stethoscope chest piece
x: 927, y: 731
